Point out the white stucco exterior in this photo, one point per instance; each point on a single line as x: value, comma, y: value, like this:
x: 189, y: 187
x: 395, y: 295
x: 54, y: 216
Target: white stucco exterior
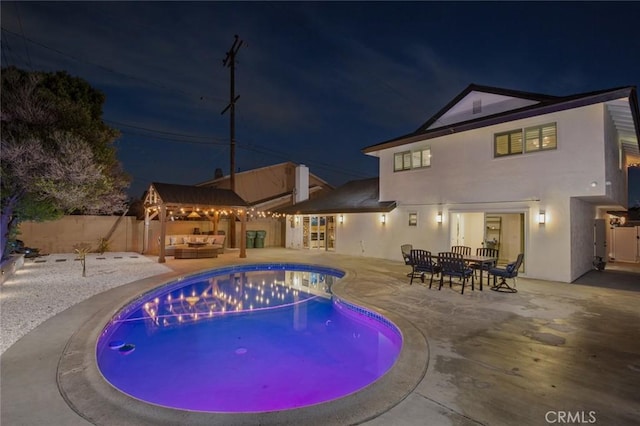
x: 585, y: 172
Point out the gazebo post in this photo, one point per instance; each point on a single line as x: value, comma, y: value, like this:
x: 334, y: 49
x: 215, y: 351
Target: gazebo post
x: 216, y: 219
x: 145, y: 235
x: 163, y: 231
x: 243, y: 233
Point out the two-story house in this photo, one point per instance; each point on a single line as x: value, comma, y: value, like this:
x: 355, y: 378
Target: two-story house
x: 520, y: 171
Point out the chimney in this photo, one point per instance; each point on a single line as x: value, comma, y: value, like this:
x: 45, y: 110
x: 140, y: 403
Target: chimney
x: 218, y: 173
x: 301, y: 190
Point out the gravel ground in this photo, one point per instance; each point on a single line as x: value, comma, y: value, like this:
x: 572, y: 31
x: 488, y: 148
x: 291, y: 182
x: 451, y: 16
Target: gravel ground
x: 47, y: 285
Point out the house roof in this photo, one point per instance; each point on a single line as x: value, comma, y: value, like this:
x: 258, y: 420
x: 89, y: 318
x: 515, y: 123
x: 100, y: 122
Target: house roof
x: 175, y: 194
x: 270, y: 187
x: 508, y: 105
x: 216, y: 181
x: 357, y: 196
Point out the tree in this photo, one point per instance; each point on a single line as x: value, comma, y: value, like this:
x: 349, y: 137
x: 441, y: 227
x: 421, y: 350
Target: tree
x: 56, y: 153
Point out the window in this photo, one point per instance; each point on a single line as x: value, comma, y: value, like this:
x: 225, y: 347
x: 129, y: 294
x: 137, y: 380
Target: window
x: 540, y: 138
x: 508, y: 143
x: 531, y: 139
x: 408, y: 160
x: 402, y: 161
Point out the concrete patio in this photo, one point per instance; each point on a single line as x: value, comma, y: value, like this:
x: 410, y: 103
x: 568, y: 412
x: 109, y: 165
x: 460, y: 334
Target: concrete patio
x: 550, y: 353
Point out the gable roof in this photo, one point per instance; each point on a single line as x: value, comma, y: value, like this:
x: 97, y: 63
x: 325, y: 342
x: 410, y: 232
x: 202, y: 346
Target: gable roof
x: 356, y: 196
x: 508, y: 105
x: 482, y: 101
x: 174, y: 194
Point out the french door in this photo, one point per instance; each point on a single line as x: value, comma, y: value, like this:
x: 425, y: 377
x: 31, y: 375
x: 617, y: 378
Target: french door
x: 319, y: 232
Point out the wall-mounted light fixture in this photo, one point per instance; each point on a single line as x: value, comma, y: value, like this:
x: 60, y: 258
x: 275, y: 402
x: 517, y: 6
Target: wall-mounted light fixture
x: 542, y: 217
x: 383, y: 218
x: 297, y: 219
x: 439, y: 217
x: 341, y: 219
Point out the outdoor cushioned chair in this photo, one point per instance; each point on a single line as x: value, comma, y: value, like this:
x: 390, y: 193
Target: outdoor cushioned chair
x: 453, y: 265
x: 406, y: 252
x: 422, y: 263
x: 509, y: 272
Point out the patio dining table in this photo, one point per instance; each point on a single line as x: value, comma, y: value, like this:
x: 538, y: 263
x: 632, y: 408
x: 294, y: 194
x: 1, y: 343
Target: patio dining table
x: 482, y: 260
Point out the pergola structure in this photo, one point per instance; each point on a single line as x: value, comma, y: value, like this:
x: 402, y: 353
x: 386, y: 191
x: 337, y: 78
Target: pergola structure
x: 207, y: 202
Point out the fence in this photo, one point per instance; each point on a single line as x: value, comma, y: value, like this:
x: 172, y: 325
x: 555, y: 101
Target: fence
x: 67, y: 233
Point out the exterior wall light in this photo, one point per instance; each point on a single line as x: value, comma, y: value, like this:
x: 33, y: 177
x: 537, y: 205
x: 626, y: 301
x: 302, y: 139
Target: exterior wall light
x: 383, y: 219
x: 542, y: 217
x: 341, y: 219
x: 439, y: 217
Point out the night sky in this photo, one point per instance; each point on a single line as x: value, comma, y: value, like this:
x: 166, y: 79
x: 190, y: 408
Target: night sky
x: 318, y: 81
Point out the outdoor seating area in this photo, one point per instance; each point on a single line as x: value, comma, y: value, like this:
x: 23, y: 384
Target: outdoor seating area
x: 194, y: 246
x: 461, y: 264
x: 195, y: 252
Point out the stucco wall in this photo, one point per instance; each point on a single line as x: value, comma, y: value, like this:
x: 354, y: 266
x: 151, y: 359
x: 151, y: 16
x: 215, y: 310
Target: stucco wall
x: 463, y: 169
x: 65, y: 234
x: 465, y: 176
x: 583, y: 215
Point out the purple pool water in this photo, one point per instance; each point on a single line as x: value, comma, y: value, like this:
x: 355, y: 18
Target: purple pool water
x: 246, y: 339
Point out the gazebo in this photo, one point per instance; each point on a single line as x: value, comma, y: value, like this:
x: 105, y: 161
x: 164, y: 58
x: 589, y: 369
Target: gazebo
x: 204, y: 201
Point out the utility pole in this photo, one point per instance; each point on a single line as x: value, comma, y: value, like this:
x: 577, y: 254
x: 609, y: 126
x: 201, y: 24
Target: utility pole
x: 230, y: 61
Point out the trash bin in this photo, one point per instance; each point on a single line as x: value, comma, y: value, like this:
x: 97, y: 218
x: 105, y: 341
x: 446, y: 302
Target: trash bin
x: 260, y: 238
x: 251, y: 237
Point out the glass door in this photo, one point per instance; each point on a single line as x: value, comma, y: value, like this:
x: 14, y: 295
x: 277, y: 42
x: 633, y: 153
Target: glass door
x: 319, y: 232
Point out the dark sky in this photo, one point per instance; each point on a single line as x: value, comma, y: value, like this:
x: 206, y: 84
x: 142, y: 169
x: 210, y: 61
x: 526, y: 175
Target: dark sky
x: 318, y: 81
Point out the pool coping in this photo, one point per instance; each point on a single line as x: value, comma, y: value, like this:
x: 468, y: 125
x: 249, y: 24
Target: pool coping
x: 85, y: 390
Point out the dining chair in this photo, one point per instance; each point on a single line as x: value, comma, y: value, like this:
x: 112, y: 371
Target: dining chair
x: 509, y: 272
x: 422, y: 262
x: 463, y: 250
x: 453, y: 265
x: 406, y: 252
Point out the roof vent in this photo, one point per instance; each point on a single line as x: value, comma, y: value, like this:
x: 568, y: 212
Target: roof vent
x: 477, y: 106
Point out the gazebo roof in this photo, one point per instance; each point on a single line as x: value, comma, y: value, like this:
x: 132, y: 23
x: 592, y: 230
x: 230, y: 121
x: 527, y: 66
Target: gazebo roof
x: 171, y: 194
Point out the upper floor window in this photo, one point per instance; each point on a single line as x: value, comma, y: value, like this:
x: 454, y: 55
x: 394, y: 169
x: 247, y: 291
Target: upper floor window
x: 540, y: 137
x: 530, y: 139
x: 408, y: 160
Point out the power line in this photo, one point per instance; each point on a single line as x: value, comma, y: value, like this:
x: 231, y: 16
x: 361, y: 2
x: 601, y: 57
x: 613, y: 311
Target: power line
x: 108, y: 69
x: 132, y: 133
x: 312, y: 162
x: 26, y: 48
x: 5, y: 50
x: 118, y: 123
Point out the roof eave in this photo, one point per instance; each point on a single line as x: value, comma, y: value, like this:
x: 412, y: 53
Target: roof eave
x: 521, y: 113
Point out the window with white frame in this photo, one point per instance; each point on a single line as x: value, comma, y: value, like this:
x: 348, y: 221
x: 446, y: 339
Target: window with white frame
x: 408, y: 160
x: 530, y: 139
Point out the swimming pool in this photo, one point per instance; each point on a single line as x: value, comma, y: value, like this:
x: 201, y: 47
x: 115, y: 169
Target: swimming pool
x: 251, y: 338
